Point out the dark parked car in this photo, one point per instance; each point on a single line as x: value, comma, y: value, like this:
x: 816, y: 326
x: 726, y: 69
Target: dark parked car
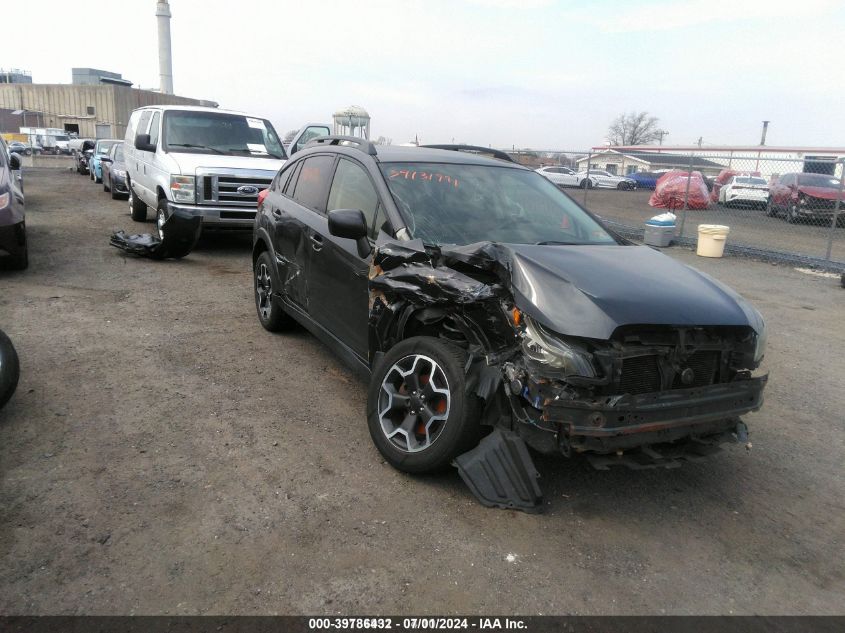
x: 483, y: 302
x: 12, y: 221
x: 806, y: 197
x: 16, y: 147
x: 645, y: 179
x: 114, y: 172
x: 83, y: 154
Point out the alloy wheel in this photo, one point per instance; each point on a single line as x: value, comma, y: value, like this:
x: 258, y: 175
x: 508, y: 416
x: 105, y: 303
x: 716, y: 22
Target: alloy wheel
x: 264, y: 290
x: 414, y: 403
x: 160, y: 220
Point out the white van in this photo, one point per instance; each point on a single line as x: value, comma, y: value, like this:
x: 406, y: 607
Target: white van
x: 205, y: 161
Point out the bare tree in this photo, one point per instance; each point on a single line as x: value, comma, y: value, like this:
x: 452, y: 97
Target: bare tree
x: 383, y: 140
x: 634, y: 128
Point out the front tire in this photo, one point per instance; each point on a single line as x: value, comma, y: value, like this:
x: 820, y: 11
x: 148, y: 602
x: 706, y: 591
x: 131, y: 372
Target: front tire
x: 792, y: 215
x: 771, y: 211
x: 106, y: 187
x: 419, y: 412
x: 270, y: 315
x: 161, y: 217
x: 137, y: 209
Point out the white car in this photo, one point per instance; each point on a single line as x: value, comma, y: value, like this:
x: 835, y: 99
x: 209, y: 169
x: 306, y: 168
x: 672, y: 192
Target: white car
x: 563, y: 176
x: 203, y: 161
x: 600, y: 178
x: 747, y: 190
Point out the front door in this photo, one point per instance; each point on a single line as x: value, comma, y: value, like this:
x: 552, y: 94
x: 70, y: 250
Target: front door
x: 337, y: 294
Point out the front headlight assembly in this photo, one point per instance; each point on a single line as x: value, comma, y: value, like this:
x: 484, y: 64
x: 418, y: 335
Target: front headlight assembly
x: 182, y: 188
x: 569, y: 357
x: 760, y: 343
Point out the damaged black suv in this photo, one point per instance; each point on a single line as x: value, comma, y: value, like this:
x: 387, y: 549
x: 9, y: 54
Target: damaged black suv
x: 491, y: 311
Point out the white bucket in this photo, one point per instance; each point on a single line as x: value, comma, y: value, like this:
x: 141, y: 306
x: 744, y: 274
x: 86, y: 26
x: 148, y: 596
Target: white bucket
x: 711, y: 239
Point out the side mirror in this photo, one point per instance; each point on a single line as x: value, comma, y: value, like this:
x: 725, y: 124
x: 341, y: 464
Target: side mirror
x: 293, y: 148
x: 105, y: 159
x: 15, y: 162
x: 350, y: 224
x: 142, y: 142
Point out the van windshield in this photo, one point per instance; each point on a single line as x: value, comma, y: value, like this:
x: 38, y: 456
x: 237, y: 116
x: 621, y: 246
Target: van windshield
x: 220, y: 133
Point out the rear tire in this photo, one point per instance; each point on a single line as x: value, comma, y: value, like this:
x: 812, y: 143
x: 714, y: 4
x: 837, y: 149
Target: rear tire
x: 771, y: 211
x: 137, y: 209
x: 419, y: 412
x: 9, y: 369
x: 270, y: 314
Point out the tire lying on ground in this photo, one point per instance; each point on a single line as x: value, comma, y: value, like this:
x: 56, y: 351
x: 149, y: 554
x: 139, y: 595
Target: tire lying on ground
x: 9, y: 369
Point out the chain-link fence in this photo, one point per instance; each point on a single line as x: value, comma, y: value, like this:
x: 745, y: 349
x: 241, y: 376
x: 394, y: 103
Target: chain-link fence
x: 779, y: 207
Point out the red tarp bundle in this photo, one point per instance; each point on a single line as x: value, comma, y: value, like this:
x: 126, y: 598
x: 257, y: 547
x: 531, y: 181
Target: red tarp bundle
x: 672, y: 187
x: 724, y: 176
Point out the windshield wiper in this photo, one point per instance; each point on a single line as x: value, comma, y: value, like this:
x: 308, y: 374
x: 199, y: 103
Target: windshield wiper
x: 556, y: 243
x: 213, y: 149
x: 253, y: 152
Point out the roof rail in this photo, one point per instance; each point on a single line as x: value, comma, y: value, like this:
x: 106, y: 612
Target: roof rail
x: 365, y: 145
x: 473, y: 149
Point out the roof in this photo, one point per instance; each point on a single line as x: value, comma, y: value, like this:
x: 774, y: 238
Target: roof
x: 400, y: 154
x: 660, y: 158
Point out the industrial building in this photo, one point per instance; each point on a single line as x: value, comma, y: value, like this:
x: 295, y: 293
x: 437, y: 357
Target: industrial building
x: 95, y: 77
x: 15, y: 76
x: 100, y: 111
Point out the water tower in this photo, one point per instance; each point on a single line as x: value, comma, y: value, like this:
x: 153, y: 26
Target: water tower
x: 352, y: 121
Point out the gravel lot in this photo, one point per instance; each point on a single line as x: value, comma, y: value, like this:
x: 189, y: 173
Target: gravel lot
x: 164, y: 454
x: 749, y: 227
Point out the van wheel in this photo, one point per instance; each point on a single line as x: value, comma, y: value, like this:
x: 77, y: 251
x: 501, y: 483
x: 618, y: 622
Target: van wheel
x: 137, y: 209
x: 161, y: 217
x: 419, y: 412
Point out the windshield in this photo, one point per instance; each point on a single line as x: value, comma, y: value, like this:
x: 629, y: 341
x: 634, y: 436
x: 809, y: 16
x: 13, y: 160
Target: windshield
x: 751, y: 181
x: 818, y: 180
x: 461, y: 204
x: 103, y: 147
x: 220, y: 133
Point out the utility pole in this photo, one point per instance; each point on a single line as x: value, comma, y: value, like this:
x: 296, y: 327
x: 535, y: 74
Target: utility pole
x: 700, y: 138
x: 765, y: 129
x: 661, y: 134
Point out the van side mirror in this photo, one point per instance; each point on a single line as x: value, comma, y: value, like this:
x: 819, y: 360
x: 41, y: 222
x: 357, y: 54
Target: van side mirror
x: 350, y: 224
x: 15, y: 162
x: 142, y: 142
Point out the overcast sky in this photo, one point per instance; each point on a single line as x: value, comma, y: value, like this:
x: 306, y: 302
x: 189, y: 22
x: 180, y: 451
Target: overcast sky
x: 529, y: 73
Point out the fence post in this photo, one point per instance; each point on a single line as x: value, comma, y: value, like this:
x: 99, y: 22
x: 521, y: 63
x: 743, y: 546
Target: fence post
x: 838, y: 202
x: 587, y: 179
x: 686, y: 195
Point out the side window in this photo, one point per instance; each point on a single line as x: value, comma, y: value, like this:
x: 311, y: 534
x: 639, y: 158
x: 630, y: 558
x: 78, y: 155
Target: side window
x: 291, y: 182
x: 133, y: 125
x: 352, y: 189
x: 312, y: 182
x: 154, y: 128
x: 142, y: 124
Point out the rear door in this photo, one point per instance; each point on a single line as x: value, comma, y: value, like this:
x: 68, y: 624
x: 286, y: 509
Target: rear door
x: 337, y: 294
x: 299, y: 222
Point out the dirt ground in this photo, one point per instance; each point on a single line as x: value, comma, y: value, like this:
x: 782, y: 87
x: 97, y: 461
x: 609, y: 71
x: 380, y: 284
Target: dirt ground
x: 165, y: 455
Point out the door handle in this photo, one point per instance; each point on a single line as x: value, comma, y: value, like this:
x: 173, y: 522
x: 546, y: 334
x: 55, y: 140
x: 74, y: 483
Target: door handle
x: 316, y: 241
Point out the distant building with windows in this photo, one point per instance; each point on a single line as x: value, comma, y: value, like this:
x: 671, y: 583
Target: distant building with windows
x: 625, y: 161
x: 15, y: 76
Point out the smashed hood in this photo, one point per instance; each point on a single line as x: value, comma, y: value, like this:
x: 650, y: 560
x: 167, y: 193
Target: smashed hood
x: 589, y: 291
x: 586, y: 291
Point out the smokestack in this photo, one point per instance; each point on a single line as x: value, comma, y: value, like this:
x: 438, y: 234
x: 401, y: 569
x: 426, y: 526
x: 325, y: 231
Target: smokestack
x: 765, y: 129
x: 165, y: 65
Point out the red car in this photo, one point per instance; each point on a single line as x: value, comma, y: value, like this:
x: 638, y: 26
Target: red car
x: 810, y: 196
